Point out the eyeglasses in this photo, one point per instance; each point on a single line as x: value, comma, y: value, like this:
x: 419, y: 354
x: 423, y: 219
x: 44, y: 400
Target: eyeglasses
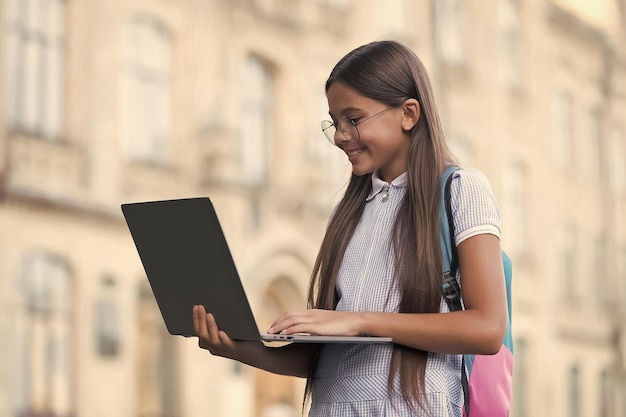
x: 347, y: 126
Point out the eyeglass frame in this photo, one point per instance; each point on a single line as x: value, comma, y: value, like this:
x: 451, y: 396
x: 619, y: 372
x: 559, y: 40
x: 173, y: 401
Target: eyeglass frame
x: 338, y: 126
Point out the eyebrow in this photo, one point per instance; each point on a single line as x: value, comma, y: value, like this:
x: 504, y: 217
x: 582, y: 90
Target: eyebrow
x: 346, y: 111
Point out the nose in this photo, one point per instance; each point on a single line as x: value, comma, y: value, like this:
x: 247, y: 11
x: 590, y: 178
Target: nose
x: 340, y: 137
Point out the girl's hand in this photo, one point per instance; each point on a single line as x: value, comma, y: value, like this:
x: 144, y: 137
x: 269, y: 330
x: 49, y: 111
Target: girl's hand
x: 292, y: 359
x: 319, y: 322
x: 211, y: 338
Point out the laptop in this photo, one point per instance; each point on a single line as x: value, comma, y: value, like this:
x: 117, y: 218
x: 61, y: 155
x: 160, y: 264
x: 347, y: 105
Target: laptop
x: 187, y: 261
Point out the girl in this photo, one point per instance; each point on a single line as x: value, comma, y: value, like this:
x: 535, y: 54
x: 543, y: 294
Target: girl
x: 379, y: 269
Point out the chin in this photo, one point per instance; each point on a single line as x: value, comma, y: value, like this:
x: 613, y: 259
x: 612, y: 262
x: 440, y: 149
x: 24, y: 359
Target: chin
x: 361, y: 172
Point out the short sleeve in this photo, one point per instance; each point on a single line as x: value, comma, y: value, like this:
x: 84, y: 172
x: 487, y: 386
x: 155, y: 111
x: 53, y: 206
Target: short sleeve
x: 474, y: 207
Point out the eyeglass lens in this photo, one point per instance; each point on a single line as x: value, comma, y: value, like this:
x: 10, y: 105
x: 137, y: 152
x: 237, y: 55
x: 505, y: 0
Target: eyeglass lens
x: 347, y: 128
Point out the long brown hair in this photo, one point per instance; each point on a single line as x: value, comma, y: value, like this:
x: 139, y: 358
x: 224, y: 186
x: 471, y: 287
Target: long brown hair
x: 391, y: 73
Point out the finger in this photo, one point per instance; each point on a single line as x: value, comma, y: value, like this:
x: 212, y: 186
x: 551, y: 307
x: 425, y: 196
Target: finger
x: 199, y: 324
x: 287, y: 320
x: 197, y: 321
x: 292, y: 327
x: 290, y: 330
x: 225, y: 340
x: 280, y: 319
x: 213, y: 330
x: 280, y: 325
x: 194, y: 320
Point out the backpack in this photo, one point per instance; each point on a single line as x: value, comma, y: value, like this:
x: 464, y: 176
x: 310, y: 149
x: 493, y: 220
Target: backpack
x: 487, y: 379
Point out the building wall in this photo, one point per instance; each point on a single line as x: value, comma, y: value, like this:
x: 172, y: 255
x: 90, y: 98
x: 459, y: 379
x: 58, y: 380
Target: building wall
x: 532, y: 92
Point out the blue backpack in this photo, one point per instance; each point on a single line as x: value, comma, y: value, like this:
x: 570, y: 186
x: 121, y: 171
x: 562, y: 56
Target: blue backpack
x: 487, y: 379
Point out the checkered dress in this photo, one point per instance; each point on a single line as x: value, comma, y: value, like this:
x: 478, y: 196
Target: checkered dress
x: 351, y: 379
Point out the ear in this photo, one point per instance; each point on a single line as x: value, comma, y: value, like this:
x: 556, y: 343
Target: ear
x: 411, y: 112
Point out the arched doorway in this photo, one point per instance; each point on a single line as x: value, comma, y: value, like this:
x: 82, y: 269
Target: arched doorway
x: 156, y: 360
x: 276, y: 395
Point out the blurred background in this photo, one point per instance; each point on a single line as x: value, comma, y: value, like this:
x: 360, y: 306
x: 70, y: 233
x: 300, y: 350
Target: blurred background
x: 105, y: 102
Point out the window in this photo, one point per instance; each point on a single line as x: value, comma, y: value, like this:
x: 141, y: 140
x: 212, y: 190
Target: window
x: 597, y: 277
x: 591, y: 146
x: 146, y: 100
x: 617, y: 162
x: 35, y: 40
x: 620, y: 275
x: 509, y: 43
x: 573, y: 392
x: 256, y: 121
x: 107, y: 319
x: 514, y: 207
x: 562, y: 129
x: 43, y: 362
x: 450, y: 31
x: 567, y: 256
x: 604, y: 394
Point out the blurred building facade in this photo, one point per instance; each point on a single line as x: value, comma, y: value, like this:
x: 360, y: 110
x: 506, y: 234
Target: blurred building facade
x: 111, y: 101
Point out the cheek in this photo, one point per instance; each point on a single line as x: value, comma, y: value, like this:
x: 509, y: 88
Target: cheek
x: 389, y: 137
x: 380, y: 133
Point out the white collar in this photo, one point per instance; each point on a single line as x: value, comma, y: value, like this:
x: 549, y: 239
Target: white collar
x: 378, y: 184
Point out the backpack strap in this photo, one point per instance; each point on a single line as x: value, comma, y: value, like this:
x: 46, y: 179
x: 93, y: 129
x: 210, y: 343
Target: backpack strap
x: 454, y: 259
x: 451, y: 288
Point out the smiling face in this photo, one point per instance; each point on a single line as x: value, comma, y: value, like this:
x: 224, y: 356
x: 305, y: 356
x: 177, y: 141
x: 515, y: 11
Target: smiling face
x: 384, y: 139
